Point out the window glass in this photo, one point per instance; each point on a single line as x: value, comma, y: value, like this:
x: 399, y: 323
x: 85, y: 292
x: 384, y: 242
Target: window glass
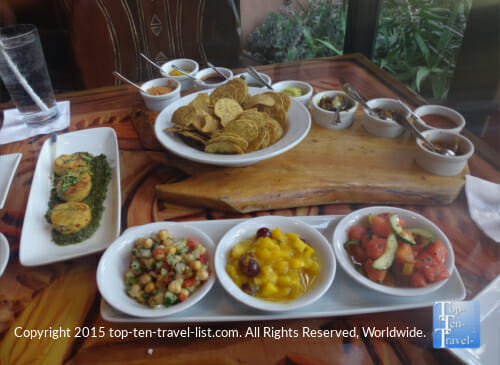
x: 417, y: 41
x: 299, y: 30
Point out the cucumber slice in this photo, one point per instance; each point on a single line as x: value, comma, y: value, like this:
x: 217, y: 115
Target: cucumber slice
x: 351, y: 242
x: 402, y: 234
x: 384, y: 262
x: 427, y: 236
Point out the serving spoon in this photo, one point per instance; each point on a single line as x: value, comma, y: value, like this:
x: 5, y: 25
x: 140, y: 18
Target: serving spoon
x: 186, y: 74
x: 120, y: 76
x: 150, y: 61
x: 253, y: 72
x: 353, y: 93
x: 405, y: 123
x: 217, y: 71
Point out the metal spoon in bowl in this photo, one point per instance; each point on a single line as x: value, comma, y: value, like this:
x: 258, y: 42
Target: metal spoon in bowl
x: 150, y: 61
x: 338, y: 105
x: 253, y: 72
x: 217, y: 71
x: 405, y: 123
x: 353, y: 93
x: 120, y: 76
x: 186, y: 74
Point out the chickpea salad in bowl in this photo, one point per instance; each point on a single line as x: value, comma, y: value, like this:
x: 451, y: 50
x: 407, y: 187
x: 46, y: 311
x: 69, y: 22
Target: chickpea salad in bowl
x: 165, y: 270
x: 157, y: 269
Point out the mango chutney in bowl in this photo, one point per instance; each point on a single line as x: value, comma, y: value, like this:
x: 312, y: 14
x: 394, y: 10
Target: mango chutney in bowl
x: 274, y: 263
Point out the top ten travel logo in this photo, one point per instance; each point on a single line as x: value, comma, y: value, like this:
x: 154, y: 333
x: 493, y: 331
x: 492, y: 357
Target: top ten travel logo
x: 456, y: 324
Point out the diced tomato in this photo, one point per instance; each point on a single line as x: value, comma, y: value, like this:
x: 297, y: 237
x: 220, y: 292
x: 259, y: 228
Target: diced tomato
x: 438, y: 251
x: 404, y: 254
x: 417, y: 249
x: 191, y: 242
x: 380, y: 225
x: 436, y: 273
x: 357, y: 252
x: 375, y: 247
x: 182, y: 297
x: 158, y: 251
x: 417, y: 280
x: 366, y: 238
x: 424, y: 260
x: 375, y: 275
x: 188, y: 283
x: 203, y: 259
x: 401, y: 222
x: 169, y: 277
x: 357, y: 232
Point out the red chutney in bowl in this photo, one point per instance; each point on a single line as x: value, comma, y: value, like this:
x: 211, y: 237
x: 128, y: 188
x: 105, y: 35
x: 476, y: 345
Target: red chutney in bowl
x: 388, y: 253
x: 438, y: 121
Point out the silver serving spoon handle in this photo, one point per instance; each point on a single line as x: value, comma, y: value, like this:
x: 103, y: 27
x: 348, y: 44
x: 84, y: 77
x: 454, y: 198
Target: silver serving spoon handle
x: 253, y: 72
x: 353, y: 93
x: 185, y: 73
x: 416, y: 132
x: 120, y: 76
x: 150, y: 61
x: 217, y: 71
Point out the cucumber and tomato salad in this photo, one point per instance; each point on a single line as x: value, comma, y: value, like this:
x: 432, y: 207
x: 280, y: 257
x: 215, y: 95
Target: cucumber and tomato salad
x: 387, y: 252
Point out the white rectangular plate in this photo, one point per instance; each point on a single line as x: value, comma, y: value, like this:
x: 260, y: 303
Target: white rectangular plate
x: 37, y: 247
x: 489, y: 306
x: 345, y: 296
x: 8, y: 167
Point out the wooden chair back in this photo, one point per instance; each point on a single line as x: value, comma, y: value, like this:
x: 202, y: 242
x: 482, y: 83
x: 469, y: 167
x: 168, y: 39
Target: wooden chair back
x: 109, y: 35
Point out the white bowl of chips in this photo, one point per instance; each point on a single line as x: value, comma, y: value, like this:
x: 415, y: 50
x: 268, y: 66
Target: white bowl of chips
x: 285, y: 131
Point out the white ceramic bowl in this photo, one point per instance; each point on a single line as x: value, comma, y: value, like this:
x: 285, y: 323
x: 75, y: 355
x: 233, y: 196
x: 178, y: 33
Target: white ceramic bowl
x: 200, y: 85
x: 116, y: 259
x: 246, y: 230
x: 411, y: 220
x: 252, y: 81
x: 183, y: 64
x: 4, y: 253
x: 380, y: 127
x: 160, y: 102
x: 304, y: 87
x: 452, y: 115
x: 439, y: 164
x: 326, y: 118
x: 299, y: 123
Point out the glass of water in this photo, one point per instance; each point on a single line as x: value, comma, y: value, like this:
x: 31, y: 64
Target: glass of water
x: 24, y: 73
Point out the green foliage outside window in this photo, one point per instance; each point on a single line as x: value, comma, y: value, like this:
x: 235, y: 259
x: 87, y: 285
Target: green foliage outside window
x: 311, y: 29
x: 417, y: 40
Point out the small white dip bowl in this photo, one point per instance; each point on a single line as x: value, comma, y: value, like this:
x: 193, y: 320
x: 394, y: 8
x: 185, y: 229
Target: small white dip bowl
x: 160, y: 102
x: 327, y: 118
x: 201, y: 85
x: 439, y: 164
x: 384, y: 127
x: 304, y: 87
x: 440, y: 110
x: 183, y: 64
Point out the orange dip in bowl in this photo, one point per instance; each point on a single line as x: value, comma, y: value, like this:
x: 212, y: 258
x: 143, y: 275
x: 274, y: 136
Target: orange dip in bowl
x: 159, y: 90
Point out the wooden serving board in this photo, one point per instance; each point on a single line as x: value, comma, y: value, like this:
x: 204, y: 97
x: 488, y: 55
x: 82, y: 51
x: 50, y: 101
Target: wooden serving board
x: 328, y: 166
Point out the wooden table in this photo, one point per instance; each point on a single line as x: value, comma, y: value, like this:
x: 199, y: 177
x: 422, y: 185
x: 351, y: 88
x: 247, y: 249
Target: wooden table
x: 64, y: 295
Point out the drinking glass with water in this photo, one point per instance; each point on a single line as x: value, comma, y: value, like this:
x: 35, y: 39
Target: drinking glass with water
x: 24, y: 73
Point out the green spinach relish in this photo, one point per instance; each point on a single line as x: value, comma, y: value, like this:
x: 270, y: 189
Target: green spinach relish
x: 100, y: 174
